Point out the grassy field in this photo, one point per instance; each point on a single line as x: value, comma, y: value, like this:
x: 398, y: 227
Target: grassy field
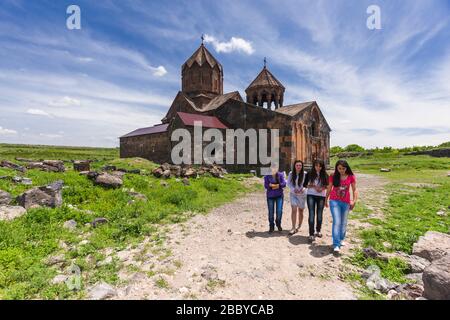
x: 418, y: 188
x: 26, y: 242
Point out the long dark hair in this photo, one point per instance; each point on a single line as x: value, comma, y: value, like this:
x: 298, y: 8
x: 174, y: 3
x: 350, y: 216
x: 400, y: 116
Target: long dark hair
x: 323, y: 175
x: 294, y: 172
x: 337, y: 175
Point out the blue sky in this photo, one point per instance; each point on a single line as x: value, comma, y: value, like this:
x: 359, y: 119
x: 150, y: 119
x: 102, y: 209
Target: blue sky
x: 122, y: 69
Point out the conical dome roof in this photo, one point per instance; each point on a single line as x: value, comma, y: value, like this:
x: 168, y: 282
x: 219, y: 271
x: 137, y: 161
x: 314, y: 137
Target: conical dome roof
x: 265, y: 79
x: 202, y: 56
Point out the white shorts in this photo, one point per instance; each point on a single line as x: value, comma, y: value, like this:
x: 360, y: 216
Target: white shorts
x: 297, y: 200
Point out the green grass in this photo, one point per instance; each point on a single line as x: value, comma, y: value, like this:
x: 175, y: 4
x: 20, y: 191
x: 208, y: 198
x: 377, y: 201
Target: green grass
x: 409, y: 213
x: 27, y: 241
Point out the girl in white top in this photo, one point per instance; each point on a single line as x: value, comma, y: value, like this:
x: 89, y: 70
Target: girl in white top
x: 297, y: 194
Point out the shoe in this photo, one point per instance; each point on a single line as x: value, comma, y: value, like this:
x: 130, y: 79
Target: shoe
x: 336, y: 250
x: 292, y: 232
x: 279, y: 227
x: 318, y: 234
x: 272, y: 228
x: 311, y: 239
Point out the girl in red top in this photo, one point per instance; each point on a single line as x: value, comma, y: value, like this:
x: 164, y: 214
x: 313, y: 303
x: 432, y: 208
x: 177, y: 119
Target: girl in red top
x: 339, y: 194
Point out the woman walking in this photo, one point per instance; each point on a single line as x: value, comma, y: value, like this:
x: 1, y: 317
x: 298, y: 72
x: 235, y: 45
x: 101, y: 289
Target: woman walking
x: 274, y: 185
x: 317, y: 183
x: 297, y: 194
x: 339, y: 194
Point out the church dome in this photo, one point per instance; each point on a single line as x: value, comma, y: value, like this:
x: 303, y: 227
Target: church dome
x: 202, y: 74
x: 265, y: 88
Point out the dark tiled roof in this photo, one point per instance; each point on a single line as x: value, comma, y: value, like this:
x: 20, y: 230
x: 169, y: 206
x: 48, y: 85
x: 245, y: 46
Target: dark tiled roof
x: 149, y: 130
x: 201, y: 56
x: 293, y: 109
x: 265, y: 79
x: 220, y: 100
x: 207, y: 121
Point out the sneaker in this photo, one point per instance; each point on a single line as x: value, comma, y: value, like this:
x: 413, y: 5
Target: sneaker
x: 272, y: 228
x: 279, y: 227
x: 311, y: 239
x: 318, y: 234
x: 336, y: 250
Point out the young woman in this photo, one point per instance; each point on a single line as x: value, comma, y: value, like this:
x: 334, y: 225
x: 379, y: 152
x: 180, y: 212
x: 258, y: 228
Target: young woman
x: 339, y: 194
x: 297, y: 194
x: 274, y: 185
x: 317, y: 183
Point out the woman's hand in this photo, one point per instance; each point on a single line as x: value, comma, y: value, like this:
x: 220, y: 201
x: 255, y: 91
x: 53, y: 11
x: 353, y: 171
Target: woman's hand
x: 326, y: 204
x: 275, y: 186
x: 352, y: 204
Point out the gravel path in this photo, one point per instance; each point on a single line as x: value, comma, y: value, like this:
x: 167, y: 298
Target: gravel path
x: 228, y: 254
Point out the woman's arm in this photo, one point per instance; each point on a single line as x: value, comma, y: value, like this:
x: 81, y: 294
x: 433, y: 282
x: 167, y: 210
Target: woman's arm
x: 289, y: 181
x: 305, y: 183
x: 355, y: 195
x: 282, y: 180
x: 266, y: 182
x: 330, y: 185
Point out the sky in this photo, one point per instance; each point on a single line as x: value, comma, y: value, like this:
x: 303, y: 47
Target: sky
x: 121, y: 70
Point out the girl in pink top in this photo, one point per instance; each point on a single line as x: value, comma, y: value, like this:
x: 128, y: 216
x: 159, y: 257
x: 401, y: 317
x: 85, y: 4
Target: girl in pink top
x: 340, y: 203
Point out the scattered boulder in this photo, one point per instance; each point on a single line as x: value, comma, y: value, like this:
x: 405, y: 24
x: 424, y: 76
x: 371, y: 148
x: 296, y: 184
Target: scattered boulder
x: 385, y: 170
x: 186, y: 181
x: 370, y: 252
x: 374, y: 281
x: 5, y: 198
x: 158, y: 172
x: 98, y: 221
x: 105, y: 262
x: 166, y: 174
x: 82, y: 165
x: 432, y: 246
x: 59, y: 279
x: 11, y: 165
x: 118, y: 173
x: 109, y: 168
x: 108, y: 180
x: 417, y: 264
x: 101, y: 291
x: 410, y: 291
x: 48, y: 196
x: 52, y: 260
x: 47, y: 165
x: 71, y: 224
x: 415, y: 277
x: 138, y: 196
x: 11, y: 212
x: 165, y: 166
x: 190, y: 172
x: 436, y: 279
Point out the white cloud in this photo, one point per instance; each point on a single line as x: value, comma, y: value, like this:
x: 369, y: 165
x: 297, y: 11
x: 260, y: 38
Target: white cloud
x: 65, y: 102
x: 235, y: 44
x: 50, y: 135
x: 38, y: 112
x: 159, y: 71
x: 6, y: 132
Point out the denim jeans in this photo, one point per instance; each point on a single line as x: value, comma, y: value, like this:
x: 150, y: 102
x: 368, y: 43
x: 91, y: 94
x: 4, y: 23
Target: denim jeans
x: 339, y: 212
x: 315, y: 206
x: 279, y: 205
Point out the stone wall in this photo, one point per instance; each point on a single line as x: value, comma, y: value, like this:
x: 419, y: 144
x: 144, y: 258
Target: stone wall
x: 154, y: 147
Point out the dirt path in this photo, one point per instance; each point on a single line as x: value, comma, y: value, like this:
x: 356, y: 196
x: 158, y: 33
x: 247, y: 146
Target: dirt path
x: 228, y: 254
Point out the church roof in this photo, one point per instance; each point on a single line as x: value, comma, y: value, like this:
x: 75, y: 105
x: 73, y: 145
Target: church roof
x: 148, y: 130
x: 293, y: 109
x: 207, y: 121
x: 265, y: 79
x: 202, y: 56
x: 220, y: 100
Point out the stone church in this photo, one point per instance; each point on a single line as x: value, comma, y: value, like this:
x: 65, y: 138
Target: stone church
x: 304, y: 133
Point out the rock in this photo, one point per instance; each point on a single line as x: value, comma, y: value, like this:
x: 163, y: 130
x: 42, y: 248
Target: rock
x: 374, y: 280
x: 108, y: 180
x: 91, y: 175
x: 392, y: 295
x: 415, y: 278
x: 105, y: 262
x: 48, y: 196
x: 190, y: 172
x: 118, y: 174
x: 166, y: 174
x: 27, y: 181
x: 432, y: 246
x: 158, y: 172
x: 52, y: 260
x: 417, y: 264
x: 54, y: 165
x: 186, y: 181
x: 82, y: 165
x: 5, y: 198
x: 98, y: 221
x: 370, y: 252
x: 11, y: 212
x: 11, y: 165
x: 101, y: 291
x: 59, y: 279
x: 441, y: 213
x: 165, y: 166
x: 71, y: 224
x: 385, y: 170
x: 436, y: 279
x: 84, y: 242
x: 138, y: 196
x: 410, y: 290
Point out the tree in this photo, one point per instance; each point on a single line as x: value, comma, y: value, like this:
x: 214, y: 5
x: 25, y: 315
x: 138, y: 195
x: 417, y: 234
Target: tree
x: 354, y: 148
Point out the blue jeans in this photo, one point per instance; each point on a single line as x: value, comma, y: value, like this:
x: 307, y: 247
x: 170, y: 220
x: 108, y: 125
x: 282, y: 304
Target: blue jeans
x: 339, y: 212
x: 315, y: 205
x: 271, y: 204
